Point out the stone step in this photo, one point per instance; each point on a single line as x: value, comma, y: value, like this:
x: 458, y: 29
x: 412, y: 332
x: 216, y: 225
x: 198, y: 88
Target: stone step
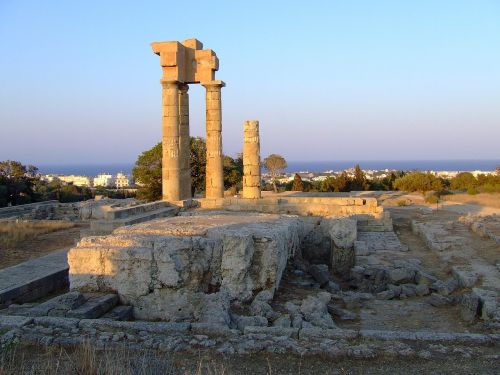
x: 34, y: 279
x: 94, y: 307
x: 57, y: 306
x: 121, y: 312
x: 376, y: 241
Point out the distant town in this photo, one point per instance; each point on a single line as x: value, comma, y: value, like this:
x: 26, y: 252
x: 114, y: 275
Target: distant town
x: 118, y: 181
x: 125, y: 181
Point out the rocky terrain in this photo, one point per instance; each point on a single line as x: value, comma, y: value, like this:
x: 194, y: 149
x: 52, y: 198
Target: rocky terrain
x: 412, y: 283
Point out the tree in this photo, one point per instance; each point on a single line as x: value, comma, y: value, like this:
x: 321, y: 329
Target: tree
x: 16, y: 183
x: 147, y: 173
x: 498, y: 170
x: 275, y: 164
x: 233, y: 172
x: 464, y: 181
x: 198, y: 162
x: 359, y: 182
x: 298, y: 185
x: 418, y: 181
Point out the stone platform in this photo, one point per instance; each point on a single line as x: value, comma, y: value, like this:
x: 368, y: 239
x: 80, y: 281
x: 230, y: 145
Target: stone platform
x: 314, y: 204
x: 34, y: 279
x: 187, y: 267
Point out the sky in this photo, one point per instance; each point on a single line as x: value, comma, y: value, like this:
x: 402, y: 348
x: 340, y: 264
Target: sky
x: 328, y: 80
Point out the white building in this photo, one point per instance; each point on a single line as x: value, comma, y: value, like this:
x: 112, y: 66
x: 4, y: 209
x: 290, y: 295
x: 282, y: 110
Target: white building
x: 122, y: 181
x: 76, y: 180
x: 71, y: 179
x: 104, y: 179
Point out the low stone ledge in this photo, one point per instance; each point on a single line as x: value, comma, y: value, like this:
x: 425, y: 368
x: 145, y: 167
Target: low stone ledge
x: 52, y: 321
x: 210, y: 329
x: 451, y: 337
x: 14, y: 321
x: 320, y: 333
x: 152, y: 327
x: 273, y: 331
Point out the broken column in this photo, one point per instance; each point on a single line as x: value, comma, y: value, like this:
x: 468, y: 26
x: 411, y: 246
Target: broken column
x: 214, y: 173
x: 170, y: 142
x: 184, y: 142
x: 251, y: 160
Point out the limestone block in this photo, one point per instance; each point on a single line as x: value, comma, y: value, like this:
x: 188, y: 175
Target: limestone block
x: 251, y: 181
x: 342, y: 231
x: 252, y: 170
x: 187, y: 268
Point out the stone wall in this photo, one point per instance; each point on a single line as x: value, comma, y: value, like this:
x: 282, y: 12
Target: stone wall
x: 315, y: 206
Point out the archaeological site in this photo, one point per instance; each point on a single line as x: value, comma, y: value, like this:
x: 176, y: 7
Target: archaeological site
x: 341, y: 275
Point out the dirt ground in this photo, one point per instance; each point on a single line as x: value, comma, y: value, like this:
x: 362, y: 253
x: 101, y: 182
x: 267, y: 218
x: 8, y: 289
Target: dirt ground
x: 40, y: 245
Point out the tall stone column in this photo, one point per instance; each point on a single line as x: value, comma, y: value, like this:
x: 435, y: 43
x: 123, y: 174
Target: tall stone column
x: 184, y: 146
x: 214, y: 187
x: 251, y: 160
x: 170, y: 142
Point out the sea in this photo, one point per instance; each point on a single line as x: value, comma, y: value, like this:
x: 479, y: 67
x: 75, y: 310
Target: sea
x: 301, y: 166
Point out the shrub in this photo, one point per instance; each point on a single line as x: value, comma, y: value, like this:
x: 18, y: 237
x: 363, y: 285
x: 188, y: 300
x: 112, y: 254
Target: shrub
x: 472, y: 191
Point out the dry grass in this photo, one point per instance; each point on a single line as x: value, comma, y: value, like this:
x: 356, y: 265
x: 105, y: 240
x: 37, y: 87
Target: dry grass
x: 13, y: 232
x: 482, y: 199
x: 83, y: 360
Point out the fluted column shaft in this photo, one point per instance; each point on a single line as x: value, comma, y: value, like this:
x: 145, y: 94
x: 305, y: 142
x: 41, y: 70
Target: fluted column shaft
x: 184, y: 143
x: 171, y: 184
x: 214, y: 187
x: 251, y: 160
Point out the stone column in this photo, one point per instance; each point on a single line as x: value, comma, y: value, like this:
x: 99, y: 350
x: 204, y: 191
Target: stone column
x: 170, y: 142
x: 214, y: 187
x: 184, y: 147
x: 251, y: 160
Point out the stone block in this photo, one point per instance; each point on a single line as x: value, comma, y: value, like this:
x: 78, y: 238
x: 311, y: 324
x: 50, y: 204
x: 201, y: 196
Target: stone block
x: 466, y: 277
x: 8, y: 322
x: 308, y: 334
x: 273, y: 331
x: 94, y: 307
x: 213, y: 330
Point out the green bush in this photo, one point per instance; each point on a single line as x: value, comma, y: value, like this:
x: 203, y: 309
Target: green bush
x: 472, y: 191
x: 432, y: 199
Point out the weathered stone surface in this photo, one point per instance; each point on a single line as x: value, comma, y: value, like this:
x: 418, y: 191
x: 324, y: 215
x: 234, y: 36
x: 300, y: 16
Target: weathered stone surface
x: 57, y: 306
x: 283, y: 321
x: 13, y: 321
x: 315, y: 311
x: 52, y: 321
x: 333, y: 334
x: 466, y: 277
x: 469, y: 307
x: 94, y: 307
x: 121, y: 312
x: 243, y: 321
x: 488, y: 303
x: 273, y: 331
x: 438, y: 300
x: 321, y: 273
x: 251, y: 160
x: 401, y: 275
x: 166, y: 269
x: 445, y: 287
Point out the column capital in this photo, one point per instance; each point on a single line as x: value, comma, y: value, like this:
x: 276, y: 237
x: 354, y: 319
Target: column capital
x: 166, y: 82
x: 216, y: 83
x: 183, y: 88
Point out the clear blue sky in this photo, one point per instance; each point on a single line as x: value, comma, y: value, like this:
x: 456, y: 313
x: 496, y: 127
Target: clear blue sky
x: 328, y: 80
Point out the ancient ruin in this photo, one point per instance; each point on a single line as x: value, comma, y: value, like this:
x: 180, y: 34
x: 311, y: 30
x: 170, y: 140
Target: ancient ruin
x: 183, y: 64
x: 334, y: 274
x: 251, y: 160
